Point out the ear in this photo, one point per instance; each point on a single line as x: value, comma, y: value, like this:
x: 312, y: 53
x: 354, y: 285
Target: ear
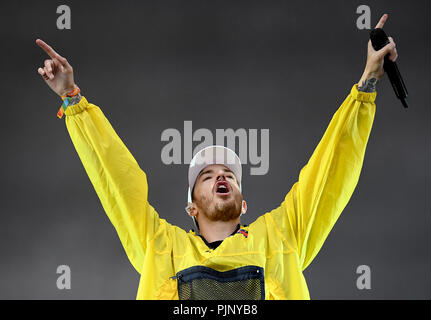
x: 244, y: 207
x: 191, y: 209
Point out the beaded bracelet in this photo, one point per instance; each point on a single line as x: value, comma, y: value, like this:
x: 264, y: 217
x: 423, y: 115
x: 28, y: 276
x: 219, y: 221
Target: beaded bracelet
x: 66, y: 100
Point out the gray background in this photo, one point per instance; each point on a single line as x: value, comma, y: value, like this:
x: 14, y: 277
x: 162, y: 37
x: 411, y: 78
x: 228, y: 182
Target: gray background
x: 150, y: 65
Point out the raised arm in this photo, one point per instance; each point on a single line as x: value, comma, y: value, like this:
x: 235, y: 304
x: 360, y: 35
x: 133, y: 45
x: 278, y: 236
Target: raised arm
x: 119, y: 182
x: 327, y: 181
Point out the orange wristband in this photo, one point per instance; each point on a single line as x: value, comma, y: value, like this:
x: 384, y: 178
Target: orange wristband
x: 71, y: 93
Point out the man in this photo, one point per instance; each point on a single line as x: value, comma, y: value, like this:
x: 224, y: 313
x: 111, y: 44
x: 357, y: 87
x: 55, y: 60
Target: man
x: 222, y: 259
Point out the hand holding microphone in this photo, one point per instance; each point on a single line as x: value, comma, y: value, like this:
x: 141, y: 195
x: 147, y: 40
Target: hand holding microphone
x: 382, y: 54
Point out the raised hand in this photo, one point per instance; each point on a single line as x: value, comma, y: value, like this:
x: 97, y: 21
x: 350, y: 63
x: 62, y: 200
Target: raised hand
x: 57, y: 73
x: 375, y: 59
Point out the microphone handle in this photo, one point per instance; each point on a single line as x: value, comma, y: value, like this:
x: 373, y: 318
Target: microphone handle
x: 396, y: 80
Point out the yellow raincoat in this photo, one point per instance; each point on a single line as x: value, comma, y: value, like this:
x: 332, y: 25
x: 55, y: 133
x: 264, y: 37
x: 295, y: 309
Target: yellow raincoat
x: 281, y: 242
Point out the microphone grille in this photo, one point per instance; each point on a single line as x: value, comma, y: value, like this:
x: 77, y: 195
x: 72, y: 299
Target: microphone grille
x: 378, y: 38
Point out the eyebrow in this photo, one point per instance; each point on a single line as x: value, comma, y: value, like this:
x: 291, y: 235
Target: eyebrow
x: 212, y: 171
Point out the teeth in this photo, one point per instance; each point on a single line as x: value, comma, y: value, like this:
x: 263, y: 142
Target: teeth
x: 221, y: 188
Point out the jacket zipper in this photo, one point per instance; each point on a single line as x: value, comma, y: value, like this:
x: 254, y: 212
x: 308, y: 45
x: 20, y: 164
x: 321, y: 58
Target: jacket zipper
x: 176, y: 277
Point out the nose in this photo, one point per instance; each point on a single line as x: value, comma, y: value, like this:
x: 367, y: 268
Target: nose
x: 221, y: 177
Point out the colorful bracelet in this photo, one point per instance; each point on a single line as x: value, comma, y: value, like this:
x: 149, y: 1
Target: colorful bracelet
x: 66, y: 100
x: 63, y: 107
x: 71, y: 93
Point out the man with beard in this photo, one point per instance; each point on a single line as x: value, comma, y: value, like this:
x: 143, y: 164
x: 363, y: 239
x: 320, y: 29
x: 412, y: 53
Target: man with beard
x: 222, y: 259
x: 214, y: 199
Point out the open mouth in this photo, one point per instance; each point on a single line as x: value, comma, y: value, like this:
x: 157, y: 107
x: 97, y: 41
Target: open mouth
x: 222, y: 188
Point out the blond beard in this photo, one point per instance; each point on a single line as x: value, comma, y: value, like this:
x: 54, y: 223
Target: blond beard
x: 222, y: 210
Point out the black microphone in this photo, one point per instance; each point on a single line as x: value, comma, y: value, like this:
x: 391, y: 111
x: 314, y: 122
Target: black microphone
x: 379, y: 39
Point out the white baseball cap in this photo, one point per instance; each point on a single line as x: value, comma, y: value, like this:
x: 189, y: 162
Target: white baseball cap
x: 213, y: 155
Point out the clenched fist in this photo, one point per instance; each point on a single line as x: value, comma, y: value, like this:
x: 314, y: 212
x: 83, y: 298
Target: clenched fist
x: 57, y: 73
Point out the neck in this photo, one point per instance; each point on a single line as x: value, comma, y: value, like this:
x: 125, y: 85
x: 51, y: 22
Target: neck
x: 217, y: 230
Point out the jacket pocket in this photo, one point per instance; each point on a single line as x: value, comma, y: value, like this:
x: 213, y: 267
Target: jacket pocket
x: 203, y: 283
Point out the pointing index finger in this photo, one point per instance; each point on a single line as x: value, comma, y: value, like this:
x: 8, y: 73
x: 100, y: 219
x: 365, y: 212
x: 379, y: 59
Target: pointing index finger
x: 49, y: 50
x: 382, y: 21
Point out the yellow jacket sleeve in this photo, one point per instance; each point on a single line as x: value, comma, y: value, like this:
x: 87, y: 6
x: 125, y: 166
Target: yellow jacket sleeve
x: 327, y: 181
x: 119, y: 182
